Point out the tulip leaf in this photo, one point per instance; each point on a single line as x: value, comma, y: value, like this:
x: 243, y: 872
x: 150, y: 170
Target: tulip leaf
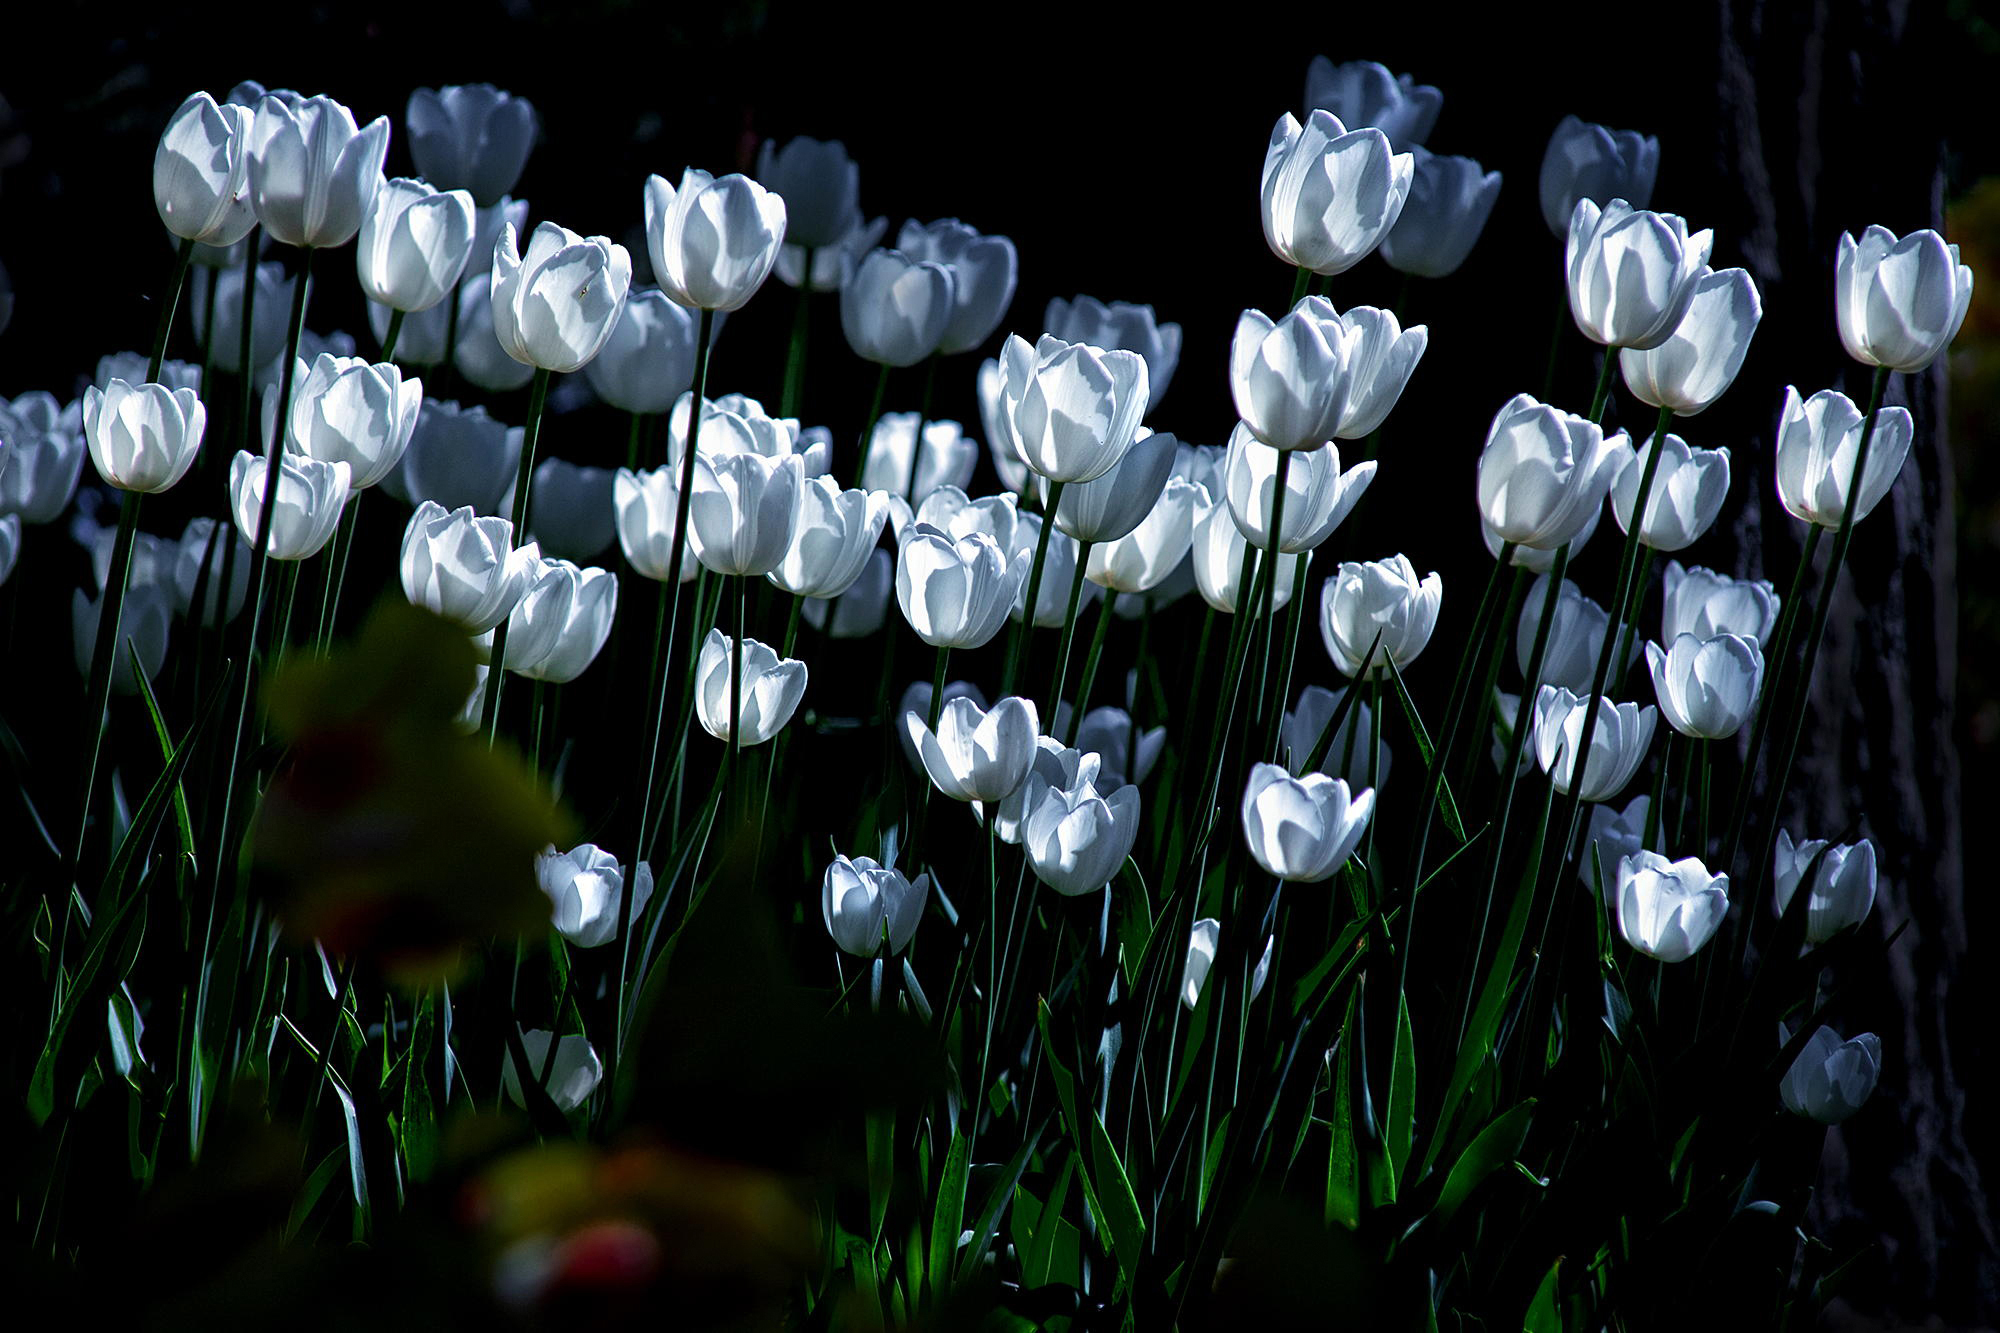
x: 950, y: 1211
x: 1447, y: 806
x: 311, y: 1192
x: 1210, y: 1160
x: 357, y: 1166
x: 183, y: 826
x: 1492, y: 1148
x: 1544, y: 1313
x: 1401, y: 1128
x: 996, y: 1200
x: 417, y: 1125
x: 17, y: 761
x: 1119, y: 1206
x: 1343, y: 1158
x: 1049, y: 1224
x: 881, y: 1168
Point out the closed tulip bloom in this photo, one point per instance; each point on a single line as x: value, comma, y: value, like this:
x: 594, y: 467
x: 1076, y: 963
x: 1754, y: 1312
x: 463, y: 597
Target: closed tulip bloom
x: 976, y: 754
x: 835, y: 533
x: 1318, y: 495
x: 1058, y: 572
x: 1843, y: 886
x: 1117, y: 502
x: 983, y: 271
x: 947, y: 459
x: 1108, y: 733
x: 1450, y: 199
x: 1076, y: 839
x: 1668, y: 909
x: 1361, y: 92
x: 1832, y: 1079
x: 894, y: 309
x: 1217, y: 554
x: 713, y: 240
x: 1632, y: 273
x: 819, y: 183
x: 414, y: 244
x: 10, y: 544
x: 772, y: 688
x: 42, y: 458
x: 1202, y: 942
x: 561, y: 622
x: 201, y: 173
x: 573, y: 1076
x: 1302, y: 829
x: 267, y: 317
x: 1618, y: 744
x: 1576, y: 636
x: 738, y: 424
x: 1142, y: 559
x: 1378, y: 597
x: 956, y: 594
x: 143, y: 622
x: 1612, y: 836
x: 1586, y: 161
x: 480, y: 355
x: 1378, y: 368
x: 743, y: 511
x: 865, y: 904
x: 1008, y: 465
x: 311, y: 495
x: 1819, y: 441
x: 586, y: 889
x: 345, y: 410
x: 458, y: 456
x: 1700, y: 358
x: 647, y: 504
x: 1119, y: 325
x: 131, y: 367
x: 834, y: 264
x: 1899, y: 302
x: 1347, y: 752
x: 571, y: 512
x: 1070, y: 409
x: 1707, y: 687
x: 1689, y: 487
x: 312, y: 172
x: 1528, y: 557
x: 955, y: 514
x: 860, y: 611
x: 471, y: 137
x: 1544, y: 472
x: 1329, y: 194
x: 464, y: 567
x: 648, y: 361
x: 1704, y: 603
x: 142, y: 437
x: 219, y: 604
x: 1290, y: 379
x: 152, y: 557
x: 555, y: 307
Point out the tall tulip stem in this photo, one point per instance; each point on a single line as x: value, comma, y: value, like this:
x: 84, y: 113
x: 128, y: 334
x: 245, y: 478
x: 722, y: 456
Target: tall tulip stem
x: 1301, y: 279
x: 937, y: 688
x: 868, y: 431
x: 1267, y: 598
x: 538, y: 399
x: 1109, y: 600
x: 102, y: 659
x: 1024, y: 627
x: 795, y: 354
x: 734, y: 797
x: 165, y: 331
x: 1601, y: 398
x: 336, y: 569
x: 923, y: 416
x: 1454, y: 713
x: 390, y: 338
x: 1274, y: 721
x: 1068, y: 629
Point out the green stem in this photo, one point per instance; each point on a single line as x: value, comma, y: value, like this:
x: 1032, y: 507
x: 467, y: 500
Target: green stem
x: 390, y: 338
x: 1110, y: 599
x: 734, y: 797
x: 103, y: 658
x: 1274, y: 537
x: 336, y: 569
x: 449, y: 366
x: 1482, y: 625
x: 1024, y: 627
x: 1068, y: 629
x: 164, y: 332
x: 868, y: 432
x: 1300, y: 279
x: 1274, y: 722
x: 1601, y: 399
x: 923, y: 415
x: 937, y: 688
x: 795, y: 354
x: 1775, y: 662
x: 792, y: 619
x: 632, y: 431
x: 538, y: 398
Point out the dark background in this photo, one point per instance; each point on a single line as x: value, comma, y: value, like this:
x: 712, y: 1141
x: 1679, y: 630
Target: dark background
x: 1120, y: 149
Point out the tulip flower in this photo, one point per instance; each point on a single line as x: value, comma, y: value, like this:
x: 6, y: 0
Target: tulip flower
x: 1612, y: 836
x: 152, y: 557
x: 772, y: 688
x: 1217, y: 553
x: 737, y: 423
x: 1379, y: 367
x: 464, y: 567
x: 647, y: 363
x: 1544, y: 472
x: 1108, y: 733
x: 1689, y: 486
x: 1008, y: 463
x: 414, y: 245
x: 956, y: 594
x: 311, y: 495
x: 712, y: 241
x: 1202, y: 943
x: 1117, y: 502
x: 865, y: 904
x: 1819, y: 440
x: 268, y: 314
x: 955, y: 514
x: 345, y: 410
x: 312, y: 172
x: 819, y: 183
x: 983, y: 270
x: 1668, y: 909
x: 43, y: 456
x: 1361, y: 92
x: 917, y: 699
x: 561, y: 622
x: 1291, y: 378
x: 1449, y: 201
x: 947, y: 459
x: 1576, y: 637
x: 201, y: 173
x: 1302, y: 829
x: 1707, y: 687
x: 1318, y: 495
x: 1843, y: 886
x: 1586, y: 161
x: 833, y: 537
x: 1632, y: 273
x: 1700, y: 358
x: 1053, y: 765
x: 1899, y: 302
x: 1142, y: 559
x: 479, y: 355
x: 1618, y: 743
x: 860, y: 611
x: 832, y: 265
x: 586, y: 888
x: 143, y: 621
x: 1704, y: 603
x: 1058, y: 572
x: 458, y: 457
x: 1075, y: 839
x: 1330, y: 195
x: 1378, y: 597
x: 471, y: 137
x: 219, y: 604
x: 1119, y: 325
x: 1070, y: 410
x: 132, y: 366
x: 894, y: 310
x: 976, y: 754
x: 571, y: 512
x: 10, y: 545
x: 1347, y: 752
x: 142, y: 437
x: 555, y: 307
x: 743, y: 511
x: 1831, y: 1079
x: 574, y: 1075
x: 647, y: 504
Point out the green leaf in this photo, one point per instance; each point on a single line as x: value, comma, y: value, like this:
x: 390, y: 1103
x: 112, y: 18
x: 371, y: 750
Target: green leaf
x: 1048, y: 1229
x: 1493, y: 1148
x: 950, y: 1211
x: 1210, y: 1160
x: 1544, y: 1313
x: 357, y: 1166
x: 1401, y: 1129
x: 1447, y: 806
x: 881, y: 1168
x: 1120, y: 1205
x: 184, y: 827
x: 313, y: 1190
x: 996, y: 1200
x: 417, y: 1125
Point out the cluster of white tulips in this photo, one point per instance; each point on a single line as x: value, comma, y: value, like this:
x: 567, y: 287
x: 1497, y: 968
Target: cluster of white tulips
x: 1076, y: 522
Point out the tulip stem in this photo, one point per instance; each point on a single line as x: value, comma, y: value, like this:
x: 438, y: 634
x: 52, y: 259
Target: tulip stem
x: 868, y: 431
x: 389, y: 339
x: 792, y: 618
x: 1068, y: 630
x: 450, y: 361
x: 632, y: 431
x: 1601, y: 399
x: 1274, y: 722
x: 1024, y: 627
x: 795, y: 355
x: 164, y: 332
x: 336, y: 569
x: 733, y: 799
x: 524, y: 476
x: 103, y: 658
x: 1301, y: 279
x: 1374, y: 781
x: 1240, y: 635
x: 1454, y: 714
x: 923, y: 415
x: 1701, y: 799
x: 1090, y: 678
x: 1274, y: 538
x: 210, y: 278
x: 937, y: 689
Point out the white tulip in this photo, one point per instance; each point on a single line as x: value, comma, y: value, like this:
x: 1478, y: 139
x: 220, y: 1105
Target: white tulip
x: 1668, y: 909
x: 1302, y: 829
x: 771, y: 689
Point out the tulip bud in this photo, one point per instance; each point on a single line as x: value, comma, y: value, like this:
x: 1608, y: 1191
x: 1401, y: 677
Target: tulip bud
x: 647, y: 506
x: 819, y: 183
x: 976, y: 754
x: 1347, y: 751
x: 571, y: 513
x: 647, y: 363
x: 864, y: 904
x: 1707, y: 687
x: 956, y: 594
x: 1070, y: 410
x: 1899, y: 302
x: 1832, y: 1079
x: 743, y: 511
x: 555, y: 307
x: 1576, y: 637
x: 1378, y: 598
x: 312, y: 172
x: 1058, y: 572
x: 42, y: 457
x: 143, y: 621
x: 860, y: 611
x: 1669, y: 909
x: 1544, y: 472
x: 345, y: 410
x: 947, y: 459
x: 1118, y: 326
x: 414, y: 244
x: 1143, y: 558
x: 1612, y: 836
x: 201, y: 173
x: 1302, y: 829
x: 983, y: 270
x: 464, y: 567
x: 573, y: 1076
x: 712, y: 241
x: 561, y: 622
x: 1843, y: 886
x: 142, y: 437
x: 1330, y: 195
x: 1290, y: 379
x: 200, y: 542
x: 1586, y: 161
x: 458, y: 457
x: 1318, y: 495
x: 1700, y: 358
x: 771, y: 689
x: 470, y: 137
x: 311, y: 495
x: 1450, y: 199
x: 1361, y: 92
x: 586, y: 888
x: 1217, y: 553
x: 1618, y: 743
x: 1689, y: 486
x: 1632, y: 273
x: 834, y: 535
x: 1819, y: 441
x: 1075, y: 839
x: 1704, y: 603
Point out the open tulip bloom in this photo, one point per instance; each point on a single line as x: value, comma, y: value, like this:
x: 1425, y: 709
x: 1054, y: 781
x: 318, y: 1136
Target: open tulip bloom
x: 713, y: 240
x: 647, y: 363
x: 1843, y: 882
x: 1832, y: 1079
x: 1378, y: 600
x: 1114, y: 326
x: 1668, y: 909
x: 1576, y: 637
x: 313, y: 172
x: 345, y: 410
x: 1449, y: 201
x: 1070, y: 410
x: 982, y: 272
x: 1362, y: 92
x: 744, y: 509
x: 1302, y: 828
x: 554, y: 307
x: 465, y: 567
x: 1819, y: 442
x: 894, y: 309
x: 1291, y: 378
x: 1076, y: 839
x: 1699, y: 360
x: 1117, y: 502
x: 977, y: 754
x: 867, y: 906
x: 834, y: 534
x: 1632, y: 273
x: 201, y: 173
x: 1330, y: 194
x: 1899, y: 302
x: 1707, y: 687
x: 471, y: 137
x: 414, y: 245
x: 772, y: 688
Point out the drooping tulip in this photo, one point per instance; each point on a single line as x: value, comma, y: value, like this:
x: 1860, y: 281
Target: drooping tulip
x: 976, y: 754
x: 983, y: 270
x: 1318, y: 494
x: 142, y: 437
x: 1699, y: 359
x: 313, y: 172
x: 201, y: 173
x: 1543, y: 473
x: 1689, y: 486
x: 1329, y: 194
x: 1361, y: 92
x: 1819, y: 441
x: 1071, y: 410
x: 1632, y: 273
x: 1668, y: 909
x: 771, y: 689
x: 1704, y: 603
x: 345, y: 410
x: 1832, y: 1079
x: 1367, y: 599
x: 1302, y: 829
x: 713, y: 240
x: 1449, y: 202
x: 472, y: 137
x: 1586, y: 161
x: 414, y: 245
x: 586, y: 889
x: 464, y: 567
x: 648, y: 361
x: 1843, y: 885
x: 1618, y: 743
x: 835, y: 533
x: 311, y: 495
x: 1899, y: 302
x: 866, y: 904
